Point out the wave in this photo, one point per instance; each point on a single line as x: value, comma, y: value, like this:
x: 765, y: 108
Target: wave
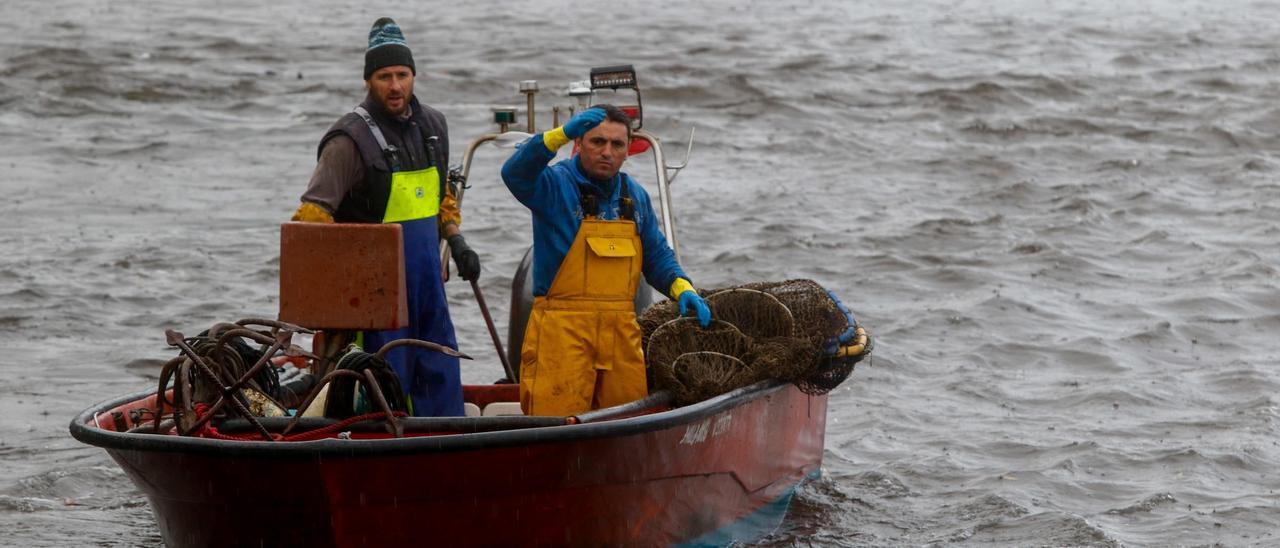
x: 975, y: 97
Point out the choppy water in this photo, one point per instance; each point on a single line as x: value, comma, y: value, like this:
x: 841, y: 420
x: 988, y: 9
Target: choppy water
x: 1059, y: 218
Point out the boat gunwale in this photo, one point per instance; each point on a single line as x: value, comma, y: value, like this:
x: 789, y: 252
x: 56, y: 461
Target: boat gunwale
x: 112, y: 440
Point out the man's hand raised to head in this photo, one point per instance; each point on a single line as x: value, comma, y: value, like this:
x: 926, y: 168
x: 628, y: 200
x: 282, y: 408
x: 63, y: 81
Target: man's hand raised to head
x: 582, y: 122
x: 577, y: 126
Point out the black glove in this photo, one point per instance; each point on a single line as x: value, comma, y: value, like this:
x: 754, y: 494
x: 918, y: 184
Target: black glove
x: 464, y: 258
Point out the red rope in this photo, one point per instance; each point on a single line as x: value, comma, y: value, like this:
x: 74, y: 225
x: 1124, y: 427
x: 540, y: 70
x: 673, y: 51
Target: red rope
x: 210, y: 431
x: 321, y: 433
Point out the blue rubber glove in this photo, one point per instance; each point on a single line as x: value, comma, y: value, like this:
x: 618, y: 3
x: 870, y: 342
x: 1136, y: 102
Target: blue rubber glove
x: 582, y: 122
x: 691, y: 299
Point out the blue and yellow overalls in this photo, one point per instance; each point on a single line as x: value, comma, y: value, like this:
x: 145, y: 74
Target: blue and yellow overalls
x: 404, y: 187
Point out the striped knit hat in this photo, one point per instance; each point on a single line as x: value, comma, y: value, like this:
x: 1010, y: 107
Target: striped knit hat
x: 387, y: 48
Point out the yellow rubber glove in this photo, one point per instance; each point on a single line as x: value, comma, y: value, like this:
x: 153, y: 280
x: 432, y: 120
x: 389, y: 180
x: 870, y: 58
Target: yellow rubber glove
x: 680, y: 286
x: 577, y: 126
x: 311, y: 213
x: 555, y: 139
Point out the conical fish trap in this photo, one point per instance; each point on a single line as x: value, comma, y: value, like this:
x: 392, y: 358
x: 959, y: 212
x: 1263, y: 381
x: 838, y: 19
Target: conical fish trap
x: 794, y: 330
x: 703, y: 375
x: 785, y: 358
x: 653, y: 318
x: 683, y: 335
x: 817, y: 316
x: 755, y: 313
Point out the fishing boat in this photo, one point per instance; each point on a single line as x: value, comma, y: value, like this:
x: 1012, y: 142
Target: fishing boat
x: 649, y: 472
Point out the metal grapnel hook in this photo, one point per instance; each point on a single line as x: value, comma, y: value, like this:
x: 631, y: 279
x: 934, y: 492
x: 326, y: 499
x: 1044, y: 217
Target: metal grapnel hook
x: 394, y: 424
x: 382, y: 352
x: 177, y: 339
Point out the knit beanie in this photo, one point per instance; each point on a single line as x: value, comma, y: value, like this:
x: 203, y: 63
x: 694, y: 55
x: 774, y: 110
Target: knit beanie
x: 387, y: 48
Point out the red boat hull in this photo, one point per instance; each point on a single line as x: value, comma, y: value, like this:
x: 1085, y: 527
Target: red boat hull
x: 706, y: 473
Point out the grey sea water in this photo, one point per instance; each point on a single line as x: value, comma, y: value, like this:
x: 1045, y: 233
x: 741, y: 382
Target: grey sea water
x: 1059, y: 219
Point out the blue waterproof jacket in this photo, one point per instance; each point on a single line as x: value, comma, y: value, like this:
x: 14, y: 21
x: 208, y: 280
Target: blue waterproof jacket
x: 554, y: 195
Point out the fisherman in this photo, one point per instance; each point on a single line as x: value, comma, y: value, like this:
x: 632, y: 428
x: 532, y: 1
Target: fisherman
x: 594, y: 233
x: 385, y: 162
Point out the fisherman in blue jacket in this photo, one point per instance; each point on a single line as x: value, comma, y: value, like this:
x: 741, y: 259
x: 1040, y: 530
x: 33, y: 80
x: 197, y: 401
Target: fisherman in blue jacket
x: 594, y: 234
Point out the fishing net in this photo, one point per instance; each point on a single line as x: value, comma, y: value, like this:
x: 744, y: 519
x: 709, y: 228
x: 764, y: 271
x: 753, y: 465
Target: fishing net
x: 704, y: 374
x: 680, y: 337
x: 653, y: 317
x: 756, y: 313
x: 794, y: 330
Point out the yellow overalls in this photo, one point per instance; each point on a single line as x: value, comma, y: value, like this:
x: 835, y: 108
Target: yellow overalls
x: 582, y: 345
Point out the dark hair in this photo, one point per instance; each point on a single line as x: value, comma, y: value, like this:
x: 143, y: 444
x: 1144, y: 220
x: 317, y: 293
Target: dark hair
x: 615, y: 114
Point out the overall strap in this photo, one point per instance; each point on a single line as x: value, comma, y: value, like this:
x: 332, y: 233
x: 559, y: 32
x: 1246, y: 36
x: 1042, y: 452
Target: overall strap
x: 626, y: 206
x: 429, y: 142
x: 388, y: 151
x: 590, y: 202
